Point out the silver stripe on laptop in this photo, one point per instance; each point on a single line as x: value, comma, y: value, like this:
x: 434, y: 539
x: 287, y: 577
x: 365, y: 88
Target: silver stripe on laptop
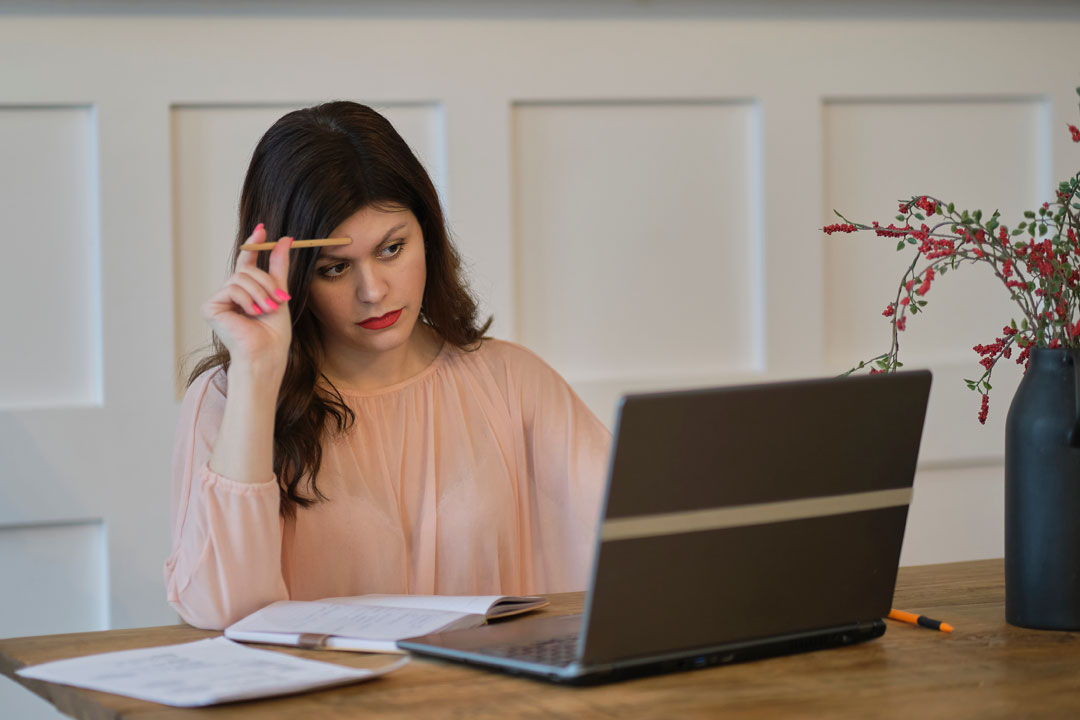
x: 754, y: 514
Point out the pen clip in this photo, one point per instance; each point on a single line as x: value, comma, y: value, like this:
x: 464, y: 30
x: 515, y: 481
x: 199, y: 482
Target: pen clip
x: 311, y: 641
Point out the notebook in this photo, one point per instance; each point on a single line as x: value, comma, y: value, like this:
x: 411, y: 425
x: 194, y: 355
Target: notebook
x: 372, y: 623
x: 738, y: 523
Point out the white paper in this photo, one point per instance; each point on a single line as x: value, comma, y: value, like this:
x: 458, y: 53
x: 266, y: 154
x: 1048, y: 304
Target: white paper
x: 205, y: 672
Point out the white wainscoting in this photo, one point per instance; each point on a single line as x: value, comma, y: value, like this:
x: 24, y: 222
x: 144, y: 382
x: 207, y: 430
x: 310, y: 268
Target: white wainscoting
x: 635, y: 222
x: 51, y: 355
x: 56, y: 579
x: 638, y: 191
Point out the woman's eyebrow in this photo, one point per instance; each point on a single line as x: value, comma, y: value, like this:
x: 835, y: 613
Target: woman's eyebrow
x: 386, y: 237
x: 392, y: 230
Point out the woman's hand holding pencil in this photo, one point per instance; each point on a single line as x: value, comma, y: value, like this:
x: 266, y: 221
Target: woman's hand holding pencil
x: 250, y: 313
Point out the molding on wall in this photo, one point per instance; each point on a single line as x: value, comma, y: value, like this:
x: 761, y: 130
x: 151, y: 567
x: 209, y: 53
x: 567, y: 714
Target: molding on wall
x: 954, y: 10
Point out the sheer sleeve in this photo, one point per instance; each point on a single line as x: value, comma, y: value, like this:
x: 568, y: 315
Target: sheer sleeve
x: 226, y: 535
x: 567, y: 451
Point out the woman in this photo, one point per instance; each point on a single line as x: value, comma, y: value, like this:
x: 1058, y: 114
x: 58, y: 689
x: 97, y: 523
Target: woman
x: 354, y: 432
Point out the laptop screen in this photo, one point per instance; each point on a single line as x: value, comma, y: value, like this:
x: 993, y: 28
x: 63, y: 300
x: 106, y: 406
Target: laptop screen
x: 753, y: 511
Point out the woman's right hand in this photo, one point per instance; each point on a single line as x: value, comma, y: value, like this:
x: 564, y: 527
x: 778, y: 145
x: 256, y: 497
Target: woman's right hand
x: 250, y: 313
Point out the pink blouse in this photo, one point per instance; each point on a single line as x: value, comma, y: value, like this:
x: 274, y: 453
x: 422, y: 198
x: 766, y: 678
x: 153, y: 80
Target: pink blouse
x: 482, y: 475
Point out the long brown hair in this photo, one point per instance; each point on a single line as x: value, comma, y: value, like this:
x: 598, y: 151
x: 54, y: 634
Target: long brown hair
x: 310, y: 172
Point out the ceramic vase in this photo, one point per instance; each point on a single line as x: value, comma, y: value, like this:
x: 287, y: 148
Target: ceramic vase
x: 1042, y: 495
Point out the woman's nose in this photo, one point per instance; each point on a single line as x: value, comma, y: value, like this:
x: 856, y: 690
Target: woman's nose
x: 371, y: 286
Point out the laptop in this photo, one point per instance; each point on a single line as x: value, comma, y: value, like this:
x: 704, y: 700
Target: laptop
x: 739, y: 523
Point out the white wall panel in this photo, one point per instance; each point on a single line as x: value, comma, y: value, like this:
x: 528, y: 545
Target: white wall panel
x: 635, y: 236
x: 55, y: 581
x: 211, y: 149
x: 50, y: 278
x: 948, y: 503
x: 61, y: 570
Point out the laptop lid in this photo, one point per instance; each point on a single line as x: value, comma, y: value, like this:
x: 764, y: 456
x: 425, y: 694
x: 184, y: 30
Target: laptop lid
x: 750, y: 512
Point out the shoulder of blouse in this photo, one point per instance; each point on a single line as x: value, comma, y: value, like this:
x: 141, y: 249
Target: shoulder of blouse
x: 523, y: 369
x: 208, y: 389
x: 509, y: 354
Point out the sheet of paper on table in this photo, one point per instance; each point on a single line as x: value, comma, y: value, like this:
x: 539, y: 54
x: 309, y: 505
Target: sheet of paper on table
x: 204, y: 672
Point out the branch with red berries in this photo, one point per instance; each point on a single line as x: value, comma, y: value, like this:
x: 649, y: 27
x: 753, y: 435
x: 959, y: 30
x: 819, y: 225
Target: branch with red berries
x: 1037, y: 261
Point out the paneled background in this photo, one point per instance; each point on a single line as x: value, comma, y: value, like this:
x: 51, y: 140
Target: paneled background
x: 637, y: 189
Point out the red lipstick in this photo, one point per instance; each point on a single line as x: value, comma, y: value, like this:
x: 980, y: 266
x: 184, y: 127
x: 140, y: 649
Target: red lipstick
x: 383, y: 321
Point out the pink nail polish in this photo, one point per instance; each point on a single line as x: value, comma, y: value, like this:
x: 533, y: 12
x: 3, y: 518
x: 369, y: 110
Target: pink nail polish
x: 255, y: 310
x: 271, y: 304
x: 282, y: 295
x: 258, y: 227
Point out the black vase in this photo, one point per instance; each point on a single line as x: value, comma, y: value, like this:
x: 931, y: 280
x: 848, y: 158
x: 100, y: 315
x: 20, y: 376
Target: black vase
x: 1042, y: 495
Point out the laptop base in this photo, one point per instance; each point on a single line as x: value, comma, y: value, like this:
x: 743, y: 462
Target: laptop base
x: 467, y: 646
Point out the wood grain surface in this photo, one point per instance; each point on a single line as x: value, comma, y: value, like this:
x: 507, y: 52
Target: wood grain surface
x: 985, y: 669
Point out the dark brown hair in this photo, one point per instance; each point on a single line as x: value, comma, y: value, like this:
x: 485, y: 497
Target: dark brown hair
x: 312, y: 170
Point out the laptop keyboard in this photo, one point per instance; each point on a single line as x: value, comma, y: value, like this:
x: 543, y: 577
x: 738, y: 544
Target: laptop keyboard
x: 557, y: 651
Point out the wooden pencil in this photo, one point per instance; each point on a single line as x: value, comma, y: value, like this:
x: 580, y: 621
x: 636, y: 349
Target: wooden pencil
x: 318, y: 242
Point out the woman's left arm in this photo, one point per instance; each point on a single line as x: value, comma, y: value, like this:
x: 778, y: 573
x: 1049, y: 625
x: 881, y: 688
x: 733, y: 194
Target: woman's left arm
x: 568, y: 452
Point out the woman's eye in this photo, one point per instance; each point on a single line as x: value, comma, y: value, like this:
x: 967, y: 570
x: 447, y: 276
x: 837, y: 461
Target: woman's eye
x: 392, y: 250
x: 332, y: 271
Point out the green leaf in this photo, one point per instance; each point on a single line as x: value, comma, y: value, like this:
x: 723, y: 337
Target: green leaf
x: 900, y: 245
x: 1024, y: 324
x: 1042, y: 229
x: 1029, y: 214
x: 978, y: 214
x: 988, y: 386
x: 992, y: 225
x: 913, y: 309
x: 952, y: 208
x: 1012, y: 324
x: 898, y: 364
x: 1021, y: 226
x: 900, y: 218
x: 911, y: 241
x: 919, y: 216
x: 1016, y: 232
x: 922, y: 303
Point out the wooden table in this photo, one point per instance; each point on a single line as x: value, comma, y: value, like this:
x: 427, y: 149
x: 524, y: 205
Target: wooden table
x: 985, y: 669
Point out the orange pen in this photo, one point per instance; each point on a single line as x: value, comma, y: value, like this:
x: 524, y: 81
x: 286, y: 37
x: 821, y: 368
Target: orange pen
x: 920, y: 620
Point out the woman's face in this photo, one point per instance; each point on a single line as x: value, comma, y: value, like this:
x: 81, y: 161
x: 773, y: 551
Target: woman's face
x: 367, y: 295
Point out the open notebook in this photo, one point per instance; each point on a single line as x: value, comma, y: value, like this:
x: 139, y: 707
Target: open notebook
x: 372, y: 623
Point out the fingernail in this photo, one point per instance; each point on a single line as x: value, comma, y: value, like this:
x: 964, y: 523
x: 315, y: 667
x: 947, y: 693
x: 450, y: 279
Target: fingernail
x: 271, y: 304
x: 282, y: 295
x: 255, y: 310
x: 258, y: 227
